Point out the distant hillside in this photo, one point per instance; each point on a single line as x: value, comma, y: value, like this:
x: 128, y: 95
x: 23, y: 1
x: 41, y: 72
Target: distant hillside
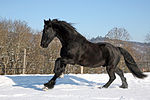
x: 98, y: 39
x: 138, y: 46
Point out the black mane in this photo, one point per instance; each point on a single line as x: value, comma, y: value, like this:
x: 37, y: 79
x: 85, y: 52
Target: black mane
x: 67, y: 27
x: 64, y: 24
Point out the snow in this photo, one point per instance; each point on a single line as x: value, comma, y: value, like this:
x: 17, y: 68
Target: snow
x: 72, y: 87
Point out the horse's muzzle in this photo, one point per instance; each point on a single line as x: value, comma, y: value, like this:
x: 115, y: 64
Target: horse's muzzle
x: 44, y: 45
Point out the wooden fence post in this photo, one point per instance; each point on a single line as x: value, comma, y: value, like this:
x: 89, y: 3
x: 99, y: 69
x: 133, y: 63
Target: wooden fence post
x: 5, y: 69
x: 81, y: 69
x: 24, y: 61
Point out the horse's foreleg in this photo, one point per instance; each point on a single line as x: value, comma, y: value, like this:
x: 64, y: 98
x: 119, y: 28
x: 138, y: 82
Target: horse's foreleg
x: 111, y: 73
x: 58, y: 70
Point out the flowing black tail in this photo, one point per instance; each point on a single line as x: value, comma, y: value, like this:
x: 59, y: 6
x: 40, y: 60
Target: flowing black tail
x: 131, y: 64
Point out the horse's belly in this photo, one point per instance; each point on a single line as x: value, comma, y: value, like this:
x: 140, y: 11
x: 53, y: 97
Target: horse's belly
x: 96, y: 64
x: 92, y: 62
x: 92, y: 58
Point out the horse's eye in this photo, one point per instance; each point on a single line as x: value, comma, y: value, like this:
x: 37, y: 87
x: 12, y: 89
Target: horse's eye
x: 45, y: 26
x: 50, y: 25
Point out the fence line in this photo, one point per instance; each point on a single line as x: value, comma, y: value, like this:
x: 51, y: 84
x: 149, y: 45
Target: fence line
x: 144, y: 66
x: 24, y: 66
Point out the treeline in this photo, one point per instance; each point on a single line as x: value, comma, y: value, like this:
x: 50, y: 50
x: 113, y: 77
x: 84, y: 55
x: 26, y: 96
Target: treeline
x: 15, y: 37
x: 20, y: 51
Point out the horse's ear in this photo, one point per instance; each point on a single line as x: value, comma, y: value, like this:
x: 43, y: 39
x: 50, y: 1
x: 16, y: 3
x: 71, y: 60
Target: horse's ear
x: 49, y: 20
x: 44, y: 21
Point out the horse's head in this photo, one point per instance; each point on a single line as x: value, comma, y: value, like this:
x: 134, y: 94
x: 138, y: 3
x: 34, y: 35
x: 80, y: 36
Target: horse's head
x: 48, y: 33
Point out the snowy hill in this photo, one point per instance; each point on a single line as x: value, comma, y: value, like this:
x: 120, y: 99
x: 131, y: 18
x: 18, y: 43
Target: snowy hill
x: 72, y: 87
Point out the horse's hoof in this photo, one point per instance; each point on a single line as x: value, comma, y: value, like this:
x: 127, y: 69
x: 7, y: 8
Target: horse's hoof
x: 100, y: 87
x: 61, y: 76
x: 123, y: 86
x: 45, y: 88
x: 50, y: 84
x: 105, y: 86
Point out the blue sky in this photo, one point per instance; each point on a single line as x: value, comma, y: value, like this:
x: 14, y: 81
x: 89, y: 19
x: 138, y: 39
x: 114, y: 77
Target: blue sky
x: 91, y: 17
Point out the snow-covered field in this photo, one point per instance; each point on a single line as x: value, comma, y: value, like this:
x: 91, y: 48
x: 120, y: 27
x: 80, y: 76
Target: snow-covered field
x: 72, y: 87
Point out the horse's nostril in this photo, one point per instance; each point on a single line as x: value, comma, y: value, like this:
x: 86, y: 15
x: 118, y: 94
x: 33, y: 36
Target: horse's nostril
x: 44, y: 45
x: 41, y: 45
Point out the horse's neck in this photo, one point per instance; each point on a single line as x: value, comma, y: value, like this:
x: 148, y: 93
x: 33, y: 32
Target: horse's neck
x: 67, y: 38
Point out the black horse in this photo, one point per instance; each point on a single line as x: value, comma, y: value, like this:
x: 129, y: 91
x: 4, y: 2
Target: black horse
x: 76, y: 49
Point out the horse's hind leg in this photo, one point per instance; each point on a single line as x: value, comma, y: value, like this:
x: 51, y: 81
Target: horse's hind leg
x: 58, y: 70
x: 123, y: 79
x: 111, y: 73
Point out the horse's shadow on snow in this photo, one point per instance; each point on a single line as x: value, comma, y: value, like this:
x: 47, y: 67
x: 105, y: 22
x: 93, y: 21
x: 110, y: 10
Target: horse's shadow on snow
x: 36, y: 82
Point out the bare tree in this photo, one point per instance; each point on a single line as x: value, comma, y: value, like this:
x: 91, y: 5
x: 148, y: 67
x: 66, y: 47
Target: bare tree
x: 147, y: 53
x: 147, y: 38
x: 118, y: 34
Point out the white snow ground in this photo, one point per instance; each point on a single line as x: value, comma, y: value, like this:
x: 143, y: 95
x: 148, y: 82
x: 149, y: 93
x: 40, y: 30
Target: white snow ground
x: 72, y: 87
